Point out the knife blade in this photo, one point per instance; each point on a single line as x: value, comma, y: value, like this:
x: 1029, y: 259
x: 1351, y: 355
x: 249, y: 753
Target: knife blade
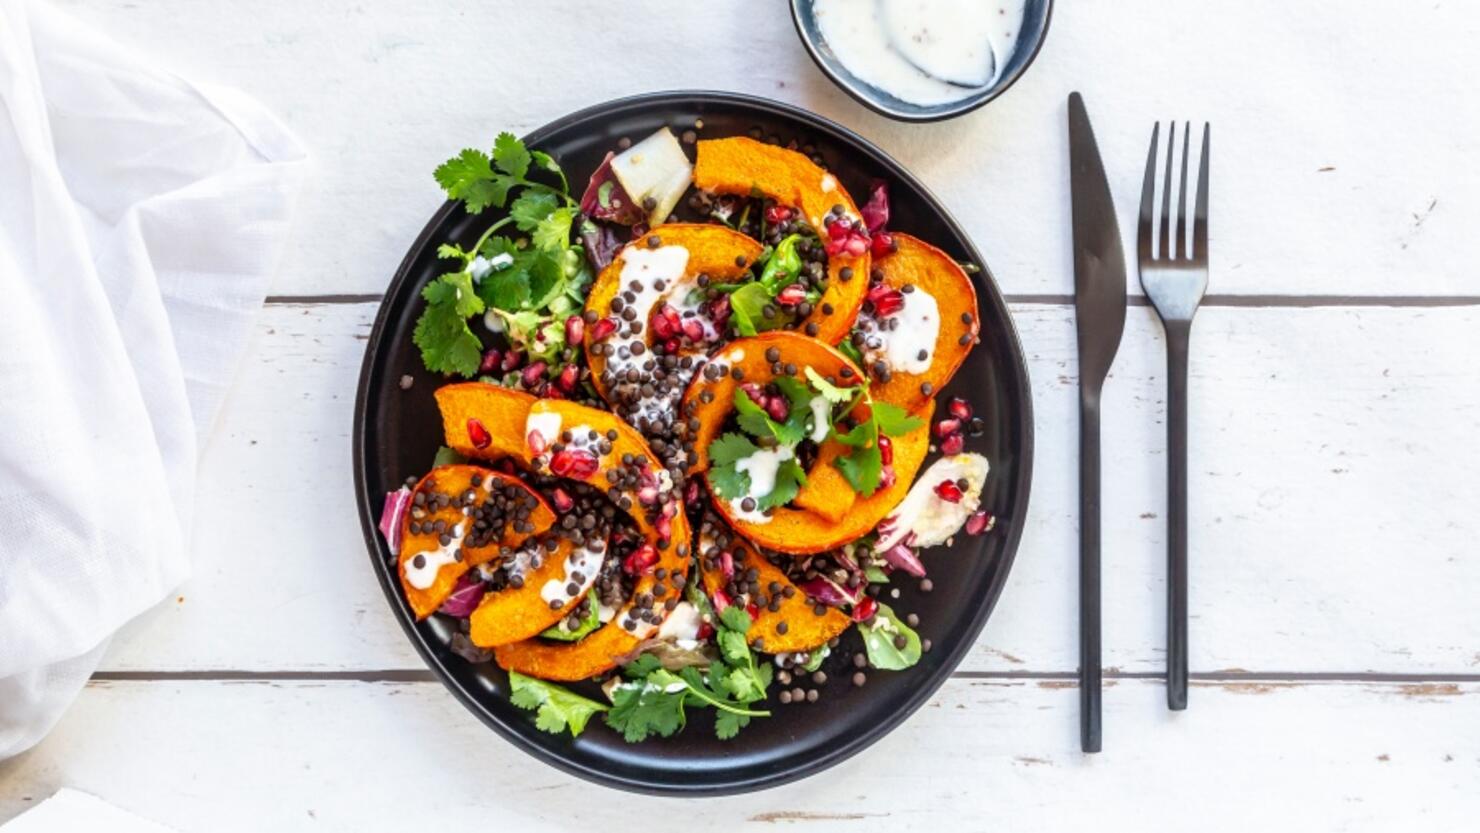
x: 1099, y: 315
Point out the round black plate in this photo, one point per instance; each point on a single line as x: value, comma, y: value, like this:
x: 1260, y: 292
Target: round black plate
x: 397, y: 432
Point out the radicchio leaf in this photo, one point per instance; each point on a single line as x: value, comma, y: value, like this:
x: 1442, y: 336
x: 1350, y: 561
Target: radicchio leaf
x: 876, y: 211
x: 605, y: 199
x: 391, y: 514
x: 465, y: 596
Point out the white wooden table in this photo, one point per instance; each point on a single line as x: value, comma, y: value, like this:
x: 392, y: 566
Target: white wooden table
x: 1335, y: 460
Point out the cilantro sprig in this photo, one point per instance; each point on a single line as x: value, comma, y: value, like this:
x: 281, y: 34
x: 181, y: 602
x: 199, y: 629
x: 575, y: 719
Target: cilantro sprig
x: 864, y: 465
x: 655, y: 700
x: 525, y: 283
x: 748, y: 301
x: 557, y: 709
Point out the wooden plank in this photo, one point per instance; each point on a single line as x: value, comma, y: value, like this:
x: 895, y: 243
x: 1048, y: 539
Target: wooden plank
x: 1314, y: 132
x: 297, y: 756
x: 1331, y: 503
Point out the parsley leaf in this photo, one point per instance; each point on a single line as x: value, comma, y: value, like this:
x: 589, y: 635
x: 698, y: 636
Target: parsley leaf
x: 729, y: 482
x: 862, y: 469
x: 789, y: 479
x: 510, y: 155
x: 892, y: 419
x: 531, y: 207
x: 832, y: 393
x: 730, y: 447
x: 447, y: 344
x: 756, y: 422
x: 553, y: 232
x: 878, y: 641
x: 559, y: 709
x: 645, y: 707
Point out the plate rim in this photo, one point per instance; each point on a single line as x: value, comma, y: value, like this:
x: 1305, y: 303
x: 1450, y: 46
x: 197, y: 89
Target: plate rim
x: 1020, y: 489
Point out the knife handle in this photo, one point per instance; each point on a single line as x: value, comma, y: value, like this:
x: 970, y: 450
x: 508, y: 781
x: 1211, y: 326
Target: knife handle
x: 1089, y: 573
x: 1177, y: 337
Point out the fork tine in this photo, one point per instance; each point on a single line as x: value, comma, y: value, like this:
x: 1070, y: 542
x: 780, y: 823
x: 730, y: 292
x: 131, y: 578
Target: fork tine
x: 1167, y: 251
x: 1180, y: 246
x: 1200, y: 219
x: 1148, y: 200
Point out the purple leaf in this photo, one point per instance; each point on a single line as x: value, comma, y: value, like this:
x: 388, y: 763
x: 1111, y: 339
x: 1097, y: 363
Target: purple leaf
x: 876, y: 211
x: 391, y: 515
x: 901, y: 555
x: 605, y: 199
x: 829, y: 592
x: 600, y: 242
x: 465, y: 596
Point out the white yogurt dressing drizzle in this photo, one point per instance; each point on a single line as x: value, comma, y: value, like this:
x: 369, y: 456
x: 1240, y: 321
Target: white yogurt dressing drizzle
x: 821, y: 419
x: 583, y: 560
x: 922, y: 51
x: 546, y: 423
x: 762, y: 466
x: 932, y: 519
x: 904, y: 340
x: 433, y: 560
x: 642, y: 270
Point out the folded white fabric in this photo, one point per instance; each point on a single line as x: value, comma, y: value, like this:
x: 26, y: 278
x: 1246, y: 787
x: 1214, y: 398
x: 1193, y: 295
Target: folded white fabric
x: 70, y: 811
x: 141, y: 218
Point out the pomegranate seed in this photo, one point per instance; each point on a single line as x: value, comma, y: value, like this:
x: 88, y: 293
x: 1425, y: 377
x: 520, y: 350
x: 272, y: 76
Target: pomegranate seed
x: 647, y: 495
x: 478, y: 434
x: 506, y: 466
x: 886, y: 477
x: 886, y: 301
x: 777, y: 214
x: 727, y: 565
x: 948, y: 491
x: 954, y: 444
x: 838, y: 230
x: 691, y: 492
x: 753, y: 610
x: 569, y: 377
x: 666, y: 323
x: 865, y: 609
x: 693, y: 330
x: 512, y: 360
x: 719, y: 310
x: 960, y: 408
x: 721, y: 601
x: 754, y: 391
x: 575, y: 330
x: 548, y: 392
x: 947, y: 427
x: 791, y: 295
x: 886, y: 450
x: 491, y: 358
x: 563, y: 501
x: 603, y: 329
x: 536, y: 442
x: 530, y: 375
x: 778, y: 408
x: 882, y: 244
x: 857, y: 245
x: 835, y: 246
x: 672, y: 345
x: 980, y: 521
x: 573, y: 463
x: 641, y: 561
x: 664, y: 527
x: 706, y: 630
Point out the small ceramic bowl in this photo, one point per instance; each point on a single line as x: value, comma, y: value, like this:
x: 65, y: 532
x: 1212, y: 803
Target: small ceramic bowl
x: 1036, y: 15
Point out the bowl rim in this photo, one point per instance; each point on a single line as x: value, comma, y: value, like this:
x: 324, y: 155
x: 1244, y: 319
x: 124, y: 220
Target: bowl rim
x: 852, y: 86
x: 368, y: 506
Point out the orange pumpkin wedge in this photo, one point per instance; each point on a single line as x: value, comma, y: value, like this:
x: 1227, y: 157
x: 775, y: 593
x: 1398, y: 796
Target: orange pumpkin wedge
x: 598, y: 652
x: 805, y: 630
x: 484, y: 421
x: 719, y: 252
x: 711, y: 401
x: 745, y: 167
x: 800, y: 532
x: 513, y: 614
x: 427, y: 590
x: 928, y: 269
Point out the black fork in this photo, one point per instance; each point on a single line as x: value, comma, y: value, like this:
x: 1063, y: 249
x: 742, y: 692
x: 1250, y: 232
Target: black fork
x: 1175, y: 276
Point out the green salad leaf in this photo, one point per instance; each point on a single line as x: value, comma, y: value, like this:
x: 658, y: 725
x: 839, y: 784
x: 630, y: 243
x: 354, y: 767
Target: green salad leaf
x: 557, y: 708
x: 879, y: 641
x: 592, y: 621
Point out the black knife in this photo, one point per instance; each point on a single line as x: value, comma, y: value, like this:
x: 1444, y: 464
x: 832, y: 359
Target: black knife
x: 1099, y: 314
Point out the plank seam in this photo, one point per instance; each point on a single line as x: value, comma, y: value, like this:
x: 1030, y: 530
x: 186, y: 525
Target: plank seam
x: 1246, y: 301
x: 421, y: 676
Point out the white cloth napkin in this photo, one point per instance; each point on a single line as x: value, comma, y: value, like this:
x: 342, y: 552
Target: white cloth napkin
x: 141, y: 217
x: 70, y: 811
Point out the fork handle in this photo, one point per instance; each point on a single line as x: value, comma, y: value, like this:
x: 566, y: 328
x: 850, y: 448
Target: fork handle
x: 1178, y: 335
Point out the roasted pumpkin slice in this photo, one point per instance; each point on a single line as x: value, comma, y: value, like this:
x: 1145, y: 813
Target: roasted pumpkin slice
x: 550, y: 567
x: 710, y: 399
x: 804, y: 629
x: 716, y: 251
x: 746, y: 167
x: 560, y: 439
x: 439, y: 542
x: 484, y: 421
x: 930, y: 293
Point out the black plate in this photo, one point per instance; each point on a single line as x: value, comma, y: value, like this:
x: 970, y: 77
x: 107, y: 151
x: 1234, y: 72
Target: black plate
x: 397, y: 432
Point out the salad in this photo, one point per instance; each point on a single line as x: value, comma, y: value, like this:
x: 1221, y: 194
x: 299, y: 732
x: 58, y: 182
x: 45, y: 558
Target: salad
x: 683, y: 458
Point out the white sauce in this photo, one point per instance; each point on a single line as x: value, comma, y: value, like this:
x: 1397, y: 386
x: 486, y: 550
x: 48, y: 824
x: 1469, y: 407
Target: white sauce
x: 924, y: 513
x: 922, y: 51
x: 682, y: 624
x: 481, y: 266
x: 647, y: 267
x: 762, y: 466
x: 821, y: 419
x: 583, y: 560
x: 545, y: 422
x: 829, y: 183
x: 433, y: 560
x: 903, y: 346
